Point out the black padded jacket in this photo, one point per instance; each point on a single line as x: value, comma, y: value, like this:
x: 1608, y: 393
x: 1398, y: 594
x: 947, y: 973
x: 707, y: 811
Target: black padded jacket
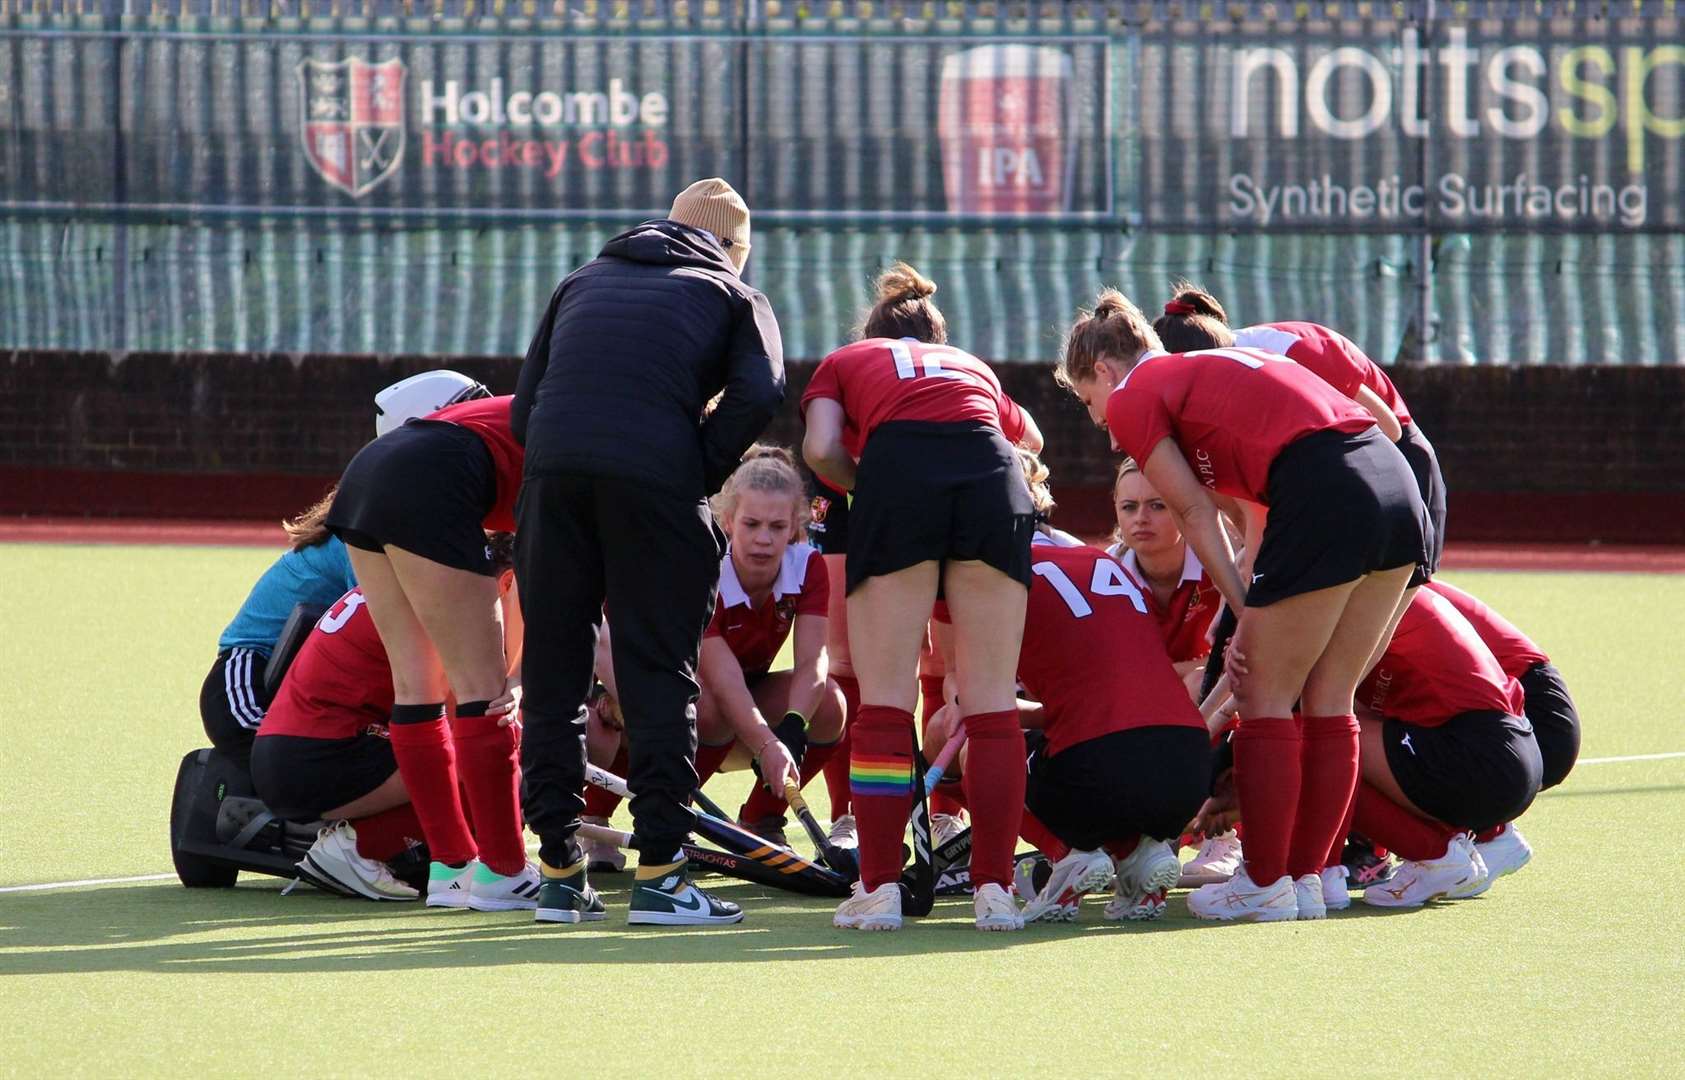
x: 632, y: 348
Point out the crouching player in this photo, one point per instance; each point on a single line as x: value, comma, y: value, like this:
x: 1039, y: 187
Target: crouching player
x: 1446, y: 752
x: 324, y: 751
x: 1547, y: 705
x: 1124, y: 758
x: 770, y: 587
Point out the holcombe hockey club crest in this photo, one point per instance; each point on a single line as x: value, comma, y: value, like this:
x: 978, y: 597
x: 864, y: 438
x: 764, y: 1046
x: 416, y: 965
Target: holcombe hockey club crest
x: 352, y: 122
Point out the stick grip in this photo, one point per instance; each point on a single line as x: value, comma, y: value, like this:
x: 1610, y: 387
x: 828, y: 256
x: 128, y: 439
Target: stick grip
x: 944, y: 759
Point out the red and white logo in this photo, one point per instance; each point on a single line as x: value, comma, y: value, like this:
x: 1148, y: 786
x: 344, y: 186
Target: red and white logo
x: 352, y: 121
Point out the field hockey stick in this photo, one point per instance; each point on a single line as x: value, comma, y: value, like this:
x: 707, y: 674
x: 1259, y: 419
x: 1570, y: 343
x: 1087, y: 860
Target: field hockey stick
x: 919, y: 885
x: 1220, y: 638
x: 1212, y: 706
x: 728, y: 863
x: 813, y: 879
x: 839, y: 859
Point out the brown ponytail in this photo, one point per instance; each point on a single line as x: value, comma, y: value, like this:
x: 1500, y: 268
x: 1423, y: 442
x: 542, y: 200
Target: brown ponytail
x: 310, y: 528
x: 1193, y: 319
x: 904, y: 308
x: 1115, y: 331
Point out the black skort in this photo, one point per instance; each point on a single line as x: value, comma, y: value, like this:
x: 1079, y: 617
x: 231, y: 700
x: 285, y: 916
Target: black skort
x: 1556, y: 723
x: 1148, y: 780
x: 300, y: 778
x: 1476, y: 770
x: 1341, y: 506
x: 929, y: 491
x: 425, y: 488
x: 1424, y: 463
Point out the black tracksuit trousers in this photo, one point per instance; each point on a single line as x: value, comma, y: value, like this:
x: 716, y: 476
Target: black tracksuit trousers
x: 654, y: 557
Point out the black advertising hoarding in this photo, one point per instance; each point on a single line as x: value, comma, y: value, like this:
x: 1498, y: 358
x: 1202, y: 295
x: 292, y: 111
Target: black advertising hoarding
x: 1384, y: 125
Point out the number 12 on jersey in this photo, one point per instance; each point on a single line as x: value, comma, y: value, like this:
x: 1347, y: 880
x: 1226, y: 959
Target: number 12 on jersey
x: 929, y: 365
x: 1108, y: 579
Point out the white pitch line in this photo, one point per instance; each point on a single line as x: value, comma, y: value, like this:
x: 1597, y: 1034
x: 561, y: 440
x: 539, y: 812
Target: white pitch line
x: 85, y: 881
x: 1629, y: 757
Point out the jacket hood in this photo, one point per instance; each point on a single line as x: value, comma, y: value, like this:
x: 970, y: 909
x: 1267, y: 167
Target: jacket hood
x: 668, y: 243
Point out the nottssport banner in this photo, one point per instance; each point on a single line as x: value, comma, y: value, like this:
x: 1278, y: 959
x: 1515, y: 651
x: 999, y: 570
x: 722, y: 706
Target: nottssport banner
x: 1516, y: 125
x: 1375, y: 125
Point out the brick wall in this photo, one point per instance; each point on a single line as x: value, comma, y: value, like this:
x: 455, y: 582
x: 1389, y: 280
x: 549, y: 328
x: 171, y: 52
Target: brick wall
x: 1529, y: 453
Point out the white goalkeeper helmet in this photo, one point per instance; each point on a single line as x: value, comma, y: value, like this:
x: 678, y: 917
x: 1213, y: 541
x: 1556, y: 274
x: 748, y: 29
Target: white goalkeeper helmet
x: 421, y: 395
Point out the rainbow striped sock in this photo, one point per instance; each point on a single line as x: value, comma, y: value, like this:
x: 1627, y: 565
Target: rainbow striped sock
x: 880, y: 774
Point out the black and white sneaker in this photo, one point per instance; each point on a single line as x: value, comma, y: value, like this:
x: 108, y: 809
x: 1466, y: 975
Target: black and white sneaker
x: 673, y: 901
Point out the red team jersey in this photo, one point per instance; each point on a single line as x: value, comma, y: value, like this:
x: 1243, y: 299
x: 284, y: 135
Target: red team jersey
x: 755, y: 635
x: 1437, y: 667
x: 883, y: 379
x: 340, y: 684
x: 1092, y: 654
x: 1515, y: 651
x: 1231, y: 411
x: 1192, y: 606
x: 1330, y: 356
x: 489, y: 419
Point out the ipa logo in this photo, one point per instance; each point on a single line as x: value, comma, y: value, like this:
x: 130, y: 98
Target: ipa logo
x: 1004, y: 120
x: 352, y: 121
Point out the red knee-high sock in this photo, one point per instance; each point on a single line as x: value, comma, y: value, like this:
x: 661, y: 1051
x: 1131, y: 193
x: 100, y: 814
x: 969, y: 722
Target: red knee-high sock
x: 709, y: 759
x: 1266, y: 771
x: 994, y: 789
x: 1327, y: 782
x: 425, y: 760
x: 1032, y: 829
x: 880, y: 784
x: 1337, y: 849
x: 930, y: 699
x: 1122, y: 849
x: 764, y: 804
x: 836, y: 769
x: 1386, y: 822
x: 488, y: 760
x: 600, y: 802
x: 388, y: 834
x: 1486, y: 836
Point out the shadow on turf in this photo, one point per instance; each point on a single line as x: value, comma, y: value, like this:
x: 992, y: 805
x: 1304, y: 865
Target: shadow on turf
x: 253, y: 929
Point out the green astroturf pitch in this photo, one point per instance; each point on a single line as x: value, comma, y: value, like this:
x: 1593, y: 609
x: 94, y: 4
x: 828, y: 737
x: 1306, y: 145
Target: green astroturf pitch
x: 1573, y: 967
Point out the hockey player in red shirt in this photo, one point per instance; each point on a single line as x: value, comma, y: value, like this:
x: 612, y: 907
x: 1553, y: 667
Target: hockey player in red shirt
x: 922, y: 435
x: 1346, y: 528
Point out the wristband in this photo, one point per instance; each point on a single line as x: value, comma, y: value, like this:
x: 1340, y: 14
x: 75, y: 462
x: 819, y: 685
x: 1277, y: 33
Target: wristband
x: 800, y: 719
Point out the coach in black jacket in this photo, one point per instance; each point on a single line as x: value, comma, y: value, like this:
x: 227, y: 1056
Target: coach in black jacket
x: 620, y: 460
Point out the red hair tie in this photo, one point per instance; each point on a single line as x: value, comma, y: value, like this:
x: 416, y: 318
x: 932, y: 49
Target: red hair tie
x: 1180, y: 307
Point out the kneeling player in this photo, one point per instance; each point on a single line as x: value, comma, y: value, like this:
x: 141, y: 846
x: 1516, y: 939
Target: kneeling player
x: 324, y: 752
x: 1445, y: 752
x: 1124, y: 760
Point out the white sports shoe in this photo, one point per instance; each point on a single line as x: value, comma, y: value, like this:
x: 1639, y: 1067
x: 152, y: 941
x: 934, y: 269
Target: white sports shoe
x: 447, y: 886
x: 600, y: 855
x: 1239, y: 900
x: 1307, y: 894
x: 489, y: 890
x: 879, y: 909
x: 1078, y: 873
x: 334, y: 856
x: 1415, y: 882
x: 843, y: 833
x: 1463, y: 892
x: 1504, y: 854
x: 1143, y: 880
x: 996, y: 909
x: 1335, y: 896
x: 944, y: 827
x: 1218, y: 859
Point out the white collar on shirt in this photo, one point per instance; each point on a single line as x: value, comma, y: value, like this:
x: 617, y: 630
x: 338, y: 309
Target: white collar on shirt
x: 791, y: 573
x: 1192, y: 570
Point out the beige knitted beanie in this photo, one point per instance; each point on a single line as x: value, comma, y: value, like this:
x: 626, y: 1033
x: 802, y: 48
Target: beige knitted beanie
x: 713, y: 204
